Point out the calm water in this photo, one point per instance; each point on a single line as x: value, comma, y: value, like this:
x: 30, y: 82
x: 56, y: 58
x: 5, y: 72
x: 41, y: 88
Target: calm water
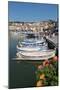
x: 21, y: 74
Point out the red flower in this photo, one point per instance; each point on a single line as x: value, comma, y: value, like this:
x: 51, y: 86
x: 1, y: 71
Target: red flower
x: 46, y: 63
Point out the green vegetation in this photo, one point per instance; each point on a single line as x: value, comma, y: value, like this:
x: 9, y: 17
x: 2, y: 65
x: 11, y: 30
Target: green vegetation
x: 47, y: 73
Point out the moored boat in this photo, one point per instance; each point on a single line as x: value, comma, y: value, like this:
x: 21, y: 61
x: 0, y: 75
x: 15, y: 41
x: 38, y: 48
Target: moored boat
x: 36, y: 55
x: 34, y: 49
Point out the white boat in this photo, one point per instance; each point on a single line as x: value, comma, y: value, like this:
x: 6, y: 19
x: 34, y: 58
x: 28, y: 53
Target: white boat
x: 28, y: 48
x: 34, y: 49
x: 32, y: 45
x: 36, y: 55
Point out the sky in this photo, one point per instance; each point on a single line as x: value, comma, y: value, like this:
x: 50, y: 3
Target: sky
x: 22, y: 11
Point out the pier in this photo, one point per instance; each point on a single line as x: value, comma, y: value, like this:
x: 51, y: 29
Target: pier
x: 53, y: 39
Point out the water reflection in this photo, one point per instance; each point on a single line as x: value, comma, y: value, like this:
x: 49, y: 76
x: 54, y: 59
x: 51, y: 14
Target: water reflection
x: 20, y: 74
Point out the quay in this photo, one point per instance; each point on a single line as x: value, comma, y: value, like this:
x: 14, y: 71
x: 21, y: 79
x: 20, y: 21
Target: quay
x: 53, y: 39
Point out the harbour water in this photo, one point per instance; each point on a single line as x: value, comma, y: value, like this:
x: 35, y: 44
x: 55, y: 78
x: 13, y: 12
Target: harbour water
x: 21, y: 74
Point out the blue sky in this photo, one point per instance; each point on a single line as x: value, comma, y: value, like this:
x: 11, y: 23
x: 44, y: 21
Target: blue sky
x: 19, y: 11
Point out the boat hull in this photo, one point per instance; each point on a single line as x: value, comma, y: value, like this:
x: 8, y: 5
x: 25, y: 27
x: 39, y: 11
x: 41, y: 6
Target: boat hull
x: 39, y: 55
